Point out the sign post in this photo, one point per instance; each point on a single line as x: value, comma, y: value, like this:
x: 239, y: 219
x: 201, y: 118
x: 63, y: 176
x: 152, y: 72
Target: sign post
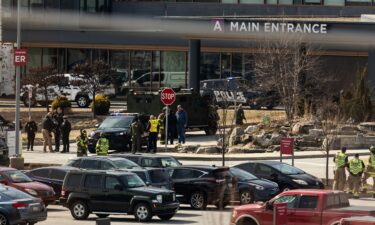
x: 167, y: 96
x: 280, y: 214
x: 286, y: 148
x: 30, y: 95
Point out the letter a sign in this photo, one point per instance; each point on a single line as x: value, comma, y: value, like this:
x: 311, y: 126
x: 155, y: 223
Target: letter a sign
x: 20, y: 57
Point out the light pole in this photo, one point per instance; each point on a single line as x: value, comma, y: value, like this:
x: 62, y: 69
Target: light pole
x: 18, y: 83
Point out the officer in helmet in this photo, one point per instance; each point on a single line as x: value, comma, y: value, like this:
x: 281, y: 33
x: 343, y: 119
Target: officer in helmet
x: 370, y: 172
x: 102, y: 145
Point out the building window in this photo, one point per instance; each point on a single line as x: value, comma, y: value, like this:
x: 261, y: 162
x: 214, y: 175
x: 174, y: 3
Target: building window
x: 226, y: 70
x: 120, y: 64
x: 259, y: 2
x: 34, y: 58
x: 94, y: 6
x: 68, y: 4
x: 61, y: 60
x: 312, y: 2
x: 140, y: 68
x: 49, y: 57
x: 334, y: 2
x: 100, y: 54
x: 77, y: 56
x: 36, y: 4
x: 210, y: 66
x: 358, y: 3
x: 52, y: 4
x: 285, y: 2
x: 229, y: 1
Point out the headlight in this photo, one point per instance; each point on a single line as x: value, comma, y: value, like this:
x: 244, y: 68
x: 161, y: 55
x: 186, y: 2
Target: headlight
x: 120, y: 134
x: 258, y: 187
x: 301, y: 182
x: 159, y: 198
x: 31, y: 191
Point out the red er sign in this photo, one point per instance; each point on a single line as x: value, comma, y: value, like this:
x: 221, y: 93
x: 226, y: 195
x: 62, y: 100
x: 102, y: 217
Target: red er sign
x: 20, y: 57
x: 168, y: 96
x: 286, y: 146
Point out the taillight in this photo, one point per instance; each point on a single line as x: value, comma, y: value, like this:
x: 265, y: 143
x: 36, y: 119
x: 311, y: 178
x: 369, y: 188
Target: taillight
x: 19, y: 205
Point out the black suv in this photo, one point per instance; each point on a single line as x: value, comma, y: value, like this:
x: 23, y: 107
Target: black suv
x: 4, y: 153
x: 115, y: 192
x: 117, y: 131
x: 202, y: 185
x: 151, y: 160
x: 155, y: 177
x: 101, y: 163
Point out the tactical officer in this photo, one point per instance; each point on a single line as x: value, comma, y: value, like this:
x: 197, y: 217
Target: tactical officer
x: 153, y: 128
x: 136, y: 132
x: 240, y: 115
x: 57, y: 118
x: 102, y: 145
x: 65, y: 129
x: 82, y: 143
x: 370, y: 172
x: 341, y: 160
x: 161, y: 120
x: 355, y: 168
x: 30, y: 128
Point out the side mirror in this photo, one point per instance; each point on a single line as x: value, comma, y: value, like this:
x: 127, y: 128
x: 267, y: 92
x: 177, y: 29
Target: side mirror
x: 119, y: 187
x: 269, y: 205
x: 96, y: 125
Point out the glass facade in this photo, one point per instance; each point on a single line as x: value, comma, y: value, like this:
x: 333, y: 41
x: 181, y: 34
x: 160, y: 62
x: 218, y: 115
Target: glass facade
x: 146, y: 70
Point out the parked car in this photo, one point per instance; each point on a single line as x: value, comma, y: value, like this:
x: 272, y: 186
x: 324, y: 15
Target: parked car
x: 200, y: 186
x: 101, y: 163
x: 155, y: 177
x: 4, y: 153
x: 115, y: 192
x: 251, y: 188
x: 286, y: 176
x: 117, y: 131
x: 22, y: 182
x: 67, y: 87
x: 358, y: 220
x: 52, y: 176
x: 151, y: 160
x: 17, y: 207
x: 318, y: 207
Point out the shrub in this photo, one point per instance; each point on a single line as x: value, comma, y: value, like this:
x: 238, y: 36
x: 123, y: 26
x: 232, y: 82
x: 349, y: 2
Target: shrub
x: 102, y: 105
x: 61, y: 102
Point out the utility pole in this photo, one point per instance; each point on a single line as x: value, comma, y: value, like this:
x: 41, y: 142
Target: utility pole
x: 18, y: 83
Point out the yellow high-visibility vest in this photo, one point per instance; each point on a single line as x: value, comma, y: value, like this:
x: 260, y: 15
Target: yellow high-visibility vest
x: 355, y: 166
x: 340, y: 159
x: 154, y: 126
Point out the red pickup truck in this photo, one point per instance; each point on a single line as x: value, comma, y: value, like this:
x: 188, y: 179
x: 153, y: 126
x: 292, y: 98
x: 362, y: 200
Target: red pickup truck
x: 304, y: 207
x: 358, y: 220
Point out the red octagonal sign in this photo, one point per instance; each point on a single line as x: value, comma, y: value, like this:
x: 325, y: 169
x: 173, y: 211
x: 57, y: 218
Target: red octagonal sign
x: 168, y: 96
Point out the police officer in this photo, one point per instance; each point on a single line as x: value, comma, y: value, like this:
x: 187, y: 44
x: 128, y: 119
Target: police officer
x: 240, y: 115
x: 30, y: 128
x: 341, y: 160
x: 355, y: 168
x: 153, y: 129
x: 370, y: 172
x: 57, y: 117
x: 161, y: 120
x: 65, y: 129
x: 136, y: 132
x: 102, y: 145
x: 82, y: 143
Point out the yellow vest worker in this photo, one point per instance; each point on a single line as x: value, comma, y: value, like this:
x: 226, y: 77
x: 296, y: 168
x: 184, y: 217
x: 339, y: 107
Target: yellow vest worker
x: 341, y: 161
x: 356, y: 168
x: 153, y: 128
x: 370, y: 172
x: 102, y: 146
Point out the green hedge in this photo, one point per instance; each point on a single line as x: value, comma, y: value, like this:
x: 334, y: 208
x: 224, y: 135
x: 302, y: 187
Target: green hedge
x: 102, y: 105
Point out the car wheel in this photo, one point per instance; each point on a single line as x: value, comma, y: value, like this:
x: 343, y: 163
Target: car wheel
x: 198, y: 200
x: 246, y: 197
x: 3, y: 220
x: 142, y: 212
x: 102, y: 215
x: 82, y: 101
x: 166, y: 216
x: 29, y: 102
x: 79, y: 210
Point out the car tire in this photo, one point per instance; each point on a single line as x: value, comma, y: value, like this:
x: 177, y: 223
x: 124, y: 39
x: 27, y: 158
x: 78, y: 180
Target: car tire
x: 3, y: 219
x: 142, y: 212
x: 102, y: 215
x: 79, y: 210
x: 29, y: 103
x: 246, y: 197
x: 166, y: 217
x: 198, y: 200
x: 83, y: 101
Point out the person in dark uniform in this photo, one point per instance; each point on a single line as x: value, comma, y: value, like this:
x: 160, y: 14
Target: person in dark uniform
x: 30, y: 128
x: 136, y: 132
x: 57, y: 117
x: 65, y: 131
x: 172, y: 126
x: 240, y: 115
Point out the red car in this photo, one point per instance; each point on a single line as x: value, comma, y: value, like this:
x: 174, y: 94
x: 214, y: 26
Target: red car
x: 358, y: 220
x: 304, y: 207
x: 19, y: 180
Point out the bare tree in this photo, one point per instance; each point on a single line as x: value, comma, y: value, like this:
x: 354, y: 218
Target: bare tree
x: 93, y: 77
x: 284, y: 65
x: 42, y: 78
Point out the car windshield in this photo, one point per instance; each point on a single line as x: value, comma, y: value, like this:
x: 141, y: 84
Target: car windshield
x: 17, y: 176
x: 169, y: 162
x: 287, y: 169
x: 132, y: 181
x: 159, y: 176
x: 116, y: 122
x: 242, y: 174
x: 124, y: 164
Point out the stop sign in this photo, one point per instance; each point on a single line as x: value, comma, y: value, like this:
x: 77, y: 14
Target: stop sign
x: 168, y: 96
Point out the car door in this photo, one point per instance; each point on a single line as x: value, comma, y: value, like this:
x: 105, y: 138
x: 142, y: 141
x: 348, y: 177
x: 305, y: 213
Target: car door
x: 291, y: 200
x: 41, y: 175
x: 184, y: 182
x: 93, y: 186
x: 56, y: 177
x: 267, y: 172
x: 305, y: 212
x: 116, y: 200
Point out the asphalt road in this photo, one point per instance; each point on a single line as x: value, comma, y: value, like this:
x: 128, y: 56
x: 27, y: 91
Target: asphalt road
x: 57, y: 215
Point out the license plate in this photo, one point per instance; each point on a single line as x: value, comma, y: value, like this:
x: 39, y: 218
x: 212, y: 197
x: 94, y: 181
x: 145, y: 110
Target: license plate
x: 35, y: 208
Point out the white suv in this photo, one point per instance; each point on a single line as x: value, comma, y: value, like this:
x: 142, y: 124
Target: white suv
x: 66, y: 88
